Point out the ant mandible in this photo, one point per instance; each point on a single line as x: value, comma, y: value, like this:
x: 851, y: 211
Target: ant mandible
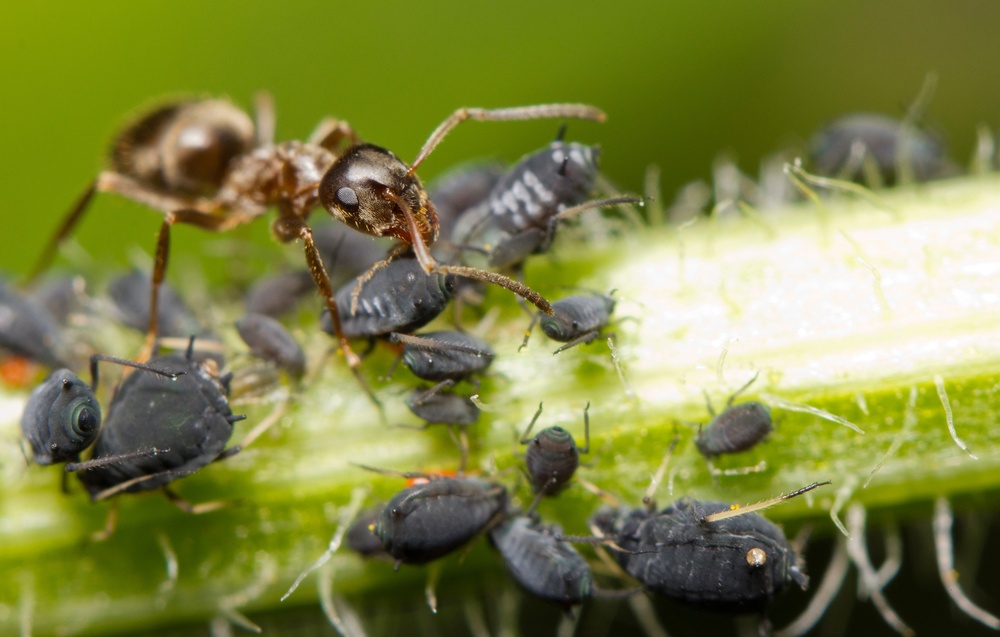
x: 205, y: 163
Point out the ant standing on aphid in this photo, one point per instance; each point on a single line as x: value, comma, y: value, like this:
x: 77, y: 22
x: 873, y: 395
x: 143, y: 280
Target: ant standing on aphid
x: 200, y: 163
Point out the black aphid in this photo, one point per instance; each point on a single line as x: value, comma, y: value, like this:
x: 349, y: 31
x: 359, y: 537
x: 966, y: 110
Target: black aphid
x: 27, y: 329
x: 541, y: 563
x: 426, y: 521
x: 737, y: 428
x: 708, y: 554
x: 520, y: 216
x: 62, y: 417
x: 552, y: 455
x: 844, y: 146
x: 130, y: 295
x: 268, y: 339
x: 398, y: 298
x: 188, y: 418
x: 442, y: 408
x: 445, y: 355
x: 575, y: 320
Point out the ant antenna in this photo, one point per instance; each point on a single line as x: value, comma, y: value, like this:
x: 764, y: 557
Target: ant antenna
x: 736, y: 509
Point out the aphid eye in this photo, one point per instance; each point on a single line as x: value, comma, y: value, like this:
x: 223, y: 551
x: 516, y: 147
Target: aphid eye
x: 347, y: 198
x: 756, y: 557
x: 83, y: 419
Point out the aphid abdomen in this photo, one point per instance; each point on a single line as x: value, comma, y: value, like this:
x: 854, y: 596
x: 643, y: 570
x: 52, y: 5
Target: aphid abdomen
x: 542, y: 565
x: 427, y: 521
x: 736, y: 565
x: 542, y: 184
x: 552, y: 458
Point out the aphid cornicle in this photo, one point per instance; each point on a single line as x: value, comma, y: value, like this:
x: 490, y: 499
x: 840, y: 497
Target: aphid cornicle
x: 541, y: 563
x: 427, y: 521
x: 575, y: 320
x: 552, y: 455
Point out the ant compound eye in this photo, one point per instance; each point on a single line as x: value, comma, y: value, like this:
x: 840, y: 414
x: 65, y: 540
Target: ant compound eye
x: 347, y: 198
x: 756, y: 557
x: 83, y: 419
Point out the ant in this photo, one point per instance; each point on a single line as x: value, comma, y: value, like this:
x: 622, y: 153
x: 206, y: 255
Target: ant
x: 204, y: 162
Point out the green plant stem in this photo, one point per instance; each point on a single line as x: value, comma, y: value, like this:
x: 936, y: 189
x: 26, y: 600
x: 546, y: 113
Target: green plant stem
x: 852, y: 309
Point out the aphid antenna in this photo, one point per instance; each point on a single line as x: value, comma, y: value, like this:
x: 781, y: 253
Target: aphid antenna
x: 607, y: 202
x: 96, y: 358
x: 737, y: 509
x: 746, y: 386
x: 527, y: 332
x: 647, y: 498
x: 433, y: 345
x: 106, y: 460
x: 524, y: 437
x: 347, y: 513
x: 433, y: 391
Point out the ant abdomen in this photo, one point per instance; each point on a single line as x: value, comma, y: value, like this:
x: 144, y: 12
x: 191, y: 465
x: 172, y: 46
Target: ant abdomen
x: 186, y: 147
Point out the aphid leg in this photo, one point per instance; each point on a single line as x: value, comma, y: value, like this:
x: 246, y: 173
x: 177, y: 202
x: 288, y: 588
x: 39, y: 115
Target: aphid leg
x: 586, y: 430
x: 65, y: 228
x: 110, y: 524
x: 729, y: 403
x: 567, y: 624
x: 645, y: 614
x: 426, y: 395
x: 598, y: 491
x: 187, y: 507
x: 462, y: 442
x: 347, y: 513
x: 430, y: 265
x: 263, y: 106
x: 858, y: 551
x: 945, y: 552
x: 540, y: 111
x: 527, y: 332
x: 474, y: 618
x: 430, y: 588
x: 826, y: 592
x: 524, y: 437
x: 269, y: 421
x: 584, y: 339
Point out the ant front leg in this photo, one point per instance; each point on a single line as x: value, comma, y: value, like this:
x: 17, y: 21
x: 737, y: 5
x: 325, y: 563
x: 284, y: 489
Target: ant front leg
x: 430, y: 264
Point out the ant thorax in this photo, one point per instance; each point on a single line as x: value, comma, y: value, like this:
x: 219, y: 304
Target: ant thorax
x: 286, y: 175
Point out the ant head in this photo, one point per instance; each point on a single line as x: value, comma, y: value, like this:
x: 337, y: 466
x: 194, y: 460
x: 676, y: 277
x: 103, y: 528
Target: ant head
x: 368, y: 188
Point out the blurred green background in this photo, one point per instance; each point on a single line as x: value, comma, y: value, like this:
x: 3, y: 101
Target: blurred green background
x: 680, y: 81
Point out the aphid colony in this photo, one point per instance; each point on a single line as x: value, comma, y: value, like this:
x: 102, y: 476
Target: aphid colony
x: 206, y: 163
